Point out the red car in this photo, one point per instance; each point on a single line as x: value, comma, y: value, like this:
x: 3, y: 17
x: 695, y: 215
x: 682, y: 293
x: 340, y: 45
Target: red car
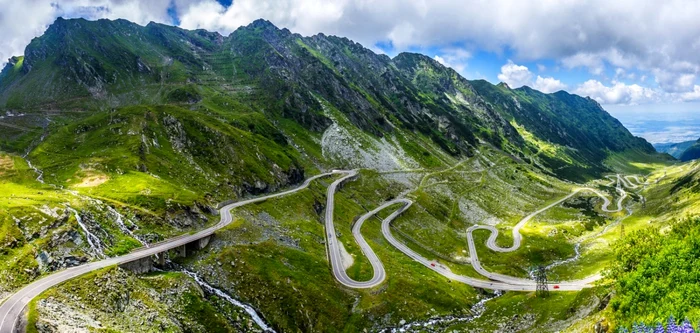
x: 556, y: 286
x: 432, y: 264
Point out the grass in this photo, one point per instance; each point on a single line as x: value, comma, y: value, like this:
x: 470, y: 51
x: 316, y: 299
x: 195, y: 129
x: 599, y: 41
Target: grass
x: 549, y: 149
x: 142, y: 190
x: 281, y: 259
x: 636, y: 162
x: 318, y: 295
x: 527, y: 313
x: 21, y: 220
x: 151, y: 156
x: 282, y: 262
x: 402, y: 271
x: 235, y: 127
x: 157, y: 302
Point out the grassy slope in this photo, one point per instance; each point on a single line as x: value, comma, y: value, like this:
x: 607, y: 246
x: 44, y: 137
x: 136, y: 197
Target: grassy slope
x: 265, y: 264
x: 121, y: 301
x: 23, y: 226
x: 159, y: 150
x: 307, y: 254
x: 306, y: 282
x: 218, y: 142
x: 647, y: 233
x: 507, y: 190
x: 652, y: 251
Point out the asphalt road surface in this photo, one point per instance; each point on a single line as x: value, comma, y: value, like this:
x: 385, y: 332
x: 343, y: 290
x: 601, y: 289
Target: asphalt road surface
x: 496, y: 281
x: 11, y: 309
x: 334, y: 254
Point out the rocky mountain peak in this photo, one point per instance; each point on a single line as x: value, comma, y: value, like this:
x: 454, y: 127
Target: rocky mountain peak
x: 503, y: 85
x: 291, y: 75
x: 262, y: 24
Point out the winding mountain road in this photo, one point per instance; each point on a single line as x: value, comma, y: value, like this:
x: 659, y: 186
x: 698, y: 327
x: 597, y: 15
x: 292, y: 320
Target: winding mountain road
x: 496, y: 281
x: 517, y: 238
x: 334, y: 255
x: 11, y: 310
x: 527, y: 285
x: 334, y: 249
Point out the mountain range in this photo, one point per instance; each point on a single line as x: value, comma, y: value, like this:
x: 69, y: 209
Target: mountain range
x: 116, y: 136
x: 266, y: 76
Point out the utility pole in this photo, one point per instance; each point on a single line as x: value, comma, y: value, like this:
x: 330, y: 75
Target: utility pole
x: 541, y: 278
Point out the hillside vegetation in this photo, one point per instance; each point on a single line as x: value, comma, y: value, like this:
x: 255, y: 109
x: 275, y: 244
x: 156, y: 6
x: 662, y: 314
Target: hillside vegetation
x: 673, y: 149
x: 83, y: 66
x: 690, y: 153
x: 132, y: 134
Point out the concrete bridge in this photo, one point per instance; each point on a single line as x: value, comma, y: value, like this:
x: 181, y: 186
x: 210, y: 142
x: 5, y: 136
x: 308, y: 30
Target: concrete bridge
x: 140, y: 260
x: 146, y: 264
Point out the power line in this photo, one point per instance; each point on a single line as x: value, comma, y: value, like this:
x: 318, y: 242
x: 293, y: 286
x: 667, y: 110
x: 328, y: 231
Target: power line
x: 541, y: 278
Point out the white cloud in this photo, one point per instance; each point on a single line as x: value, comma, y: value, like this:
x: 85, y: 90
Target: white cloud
x: 659, y: 42
x: 441, y: 60
x: 594, y: 63
x: 209, y: 15
x: 693, y: 95
x: 455, y: 58
x: 618, y: 93
x: 675, y: 82
x: 548, y: 84
x: 303, y: 16
x: 20, y: 22
x: 590, y: 34
x: 517, y: 76
x: 140, y: 12
x: 619, y: 72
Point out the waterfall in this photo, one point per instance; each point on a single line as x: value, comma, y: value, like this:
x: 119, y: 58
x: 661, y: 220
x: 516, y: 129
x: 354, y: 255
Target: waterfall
x: 94, y: 241
x: 40, y: 174
x: 249, y: 309
x: 119, y: 219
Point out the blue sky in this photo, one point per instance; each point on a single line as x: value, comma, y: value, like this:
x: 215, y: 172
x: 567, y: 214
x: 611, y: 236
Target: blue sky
x: 636, y: 58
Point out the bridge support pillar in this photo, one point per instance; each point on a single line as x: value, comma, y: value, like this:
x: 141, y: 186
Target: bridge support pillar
x: 181, y: 251
x: 160, y: 259
x: 202, y: 243
x: 140, y: 266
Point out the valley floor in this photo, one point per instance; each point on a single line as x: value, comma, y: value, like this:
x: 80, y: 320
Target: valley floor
x: 267, y: 236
